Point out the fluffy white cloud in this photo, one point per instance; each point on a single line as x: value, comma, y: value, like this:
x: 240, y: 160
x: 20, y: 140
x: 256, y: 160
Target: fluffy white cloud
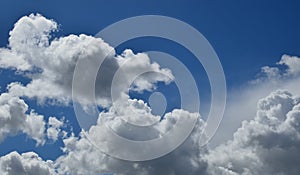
x: 291, y: 70
x: 293, y: 64
x: 29, y: 35
x: 84, y: 158
x: 25, y: 164
x: 54, y: 128
x: 14, y: 119
x: 268, y: 144
x: 245, y: 97
x: 50, y: 63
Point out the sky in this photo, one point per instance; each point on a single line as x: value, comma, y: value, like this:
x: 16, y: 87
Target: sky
x: 41, y: 44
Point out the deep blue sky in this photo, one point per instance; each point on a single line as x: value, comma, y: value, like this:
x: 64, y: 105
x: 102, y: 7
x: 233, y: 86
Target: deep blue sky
x: 245, y: 34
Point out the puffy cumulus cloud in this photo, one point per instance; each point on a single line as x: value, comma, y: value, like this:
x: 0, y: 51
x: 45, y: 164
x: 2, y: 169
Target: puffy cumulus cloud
x: 54, y: 128
x: 293, y: 64
x: 83, y: 158
x: 35, y: 127
x: 133, y: 111
x: 282, y: 76
x: 268, y: 144
x: 153, y: 126
x: 132, y: 65
x: 25, y: 164
x: 291, y: 69
x: 29, y: 33
x: 50, y: 63
x: 14, y: 119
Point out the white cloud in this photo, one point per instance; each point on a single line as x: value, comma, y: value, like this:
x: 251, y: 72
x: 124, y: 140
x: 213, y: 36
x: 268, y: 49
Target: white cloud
x: 14, y: 119
x: 268, y: 144
x: 35, y: 127
x: 51, y: 63
x: 244, y: 98
x: 84, y: 158
x: 54, y: 128
x: 28, y: 37
x: 290, y: 70
x: 293, y: 64
x: 271, y: 72
x: 15, y: 61
x: 25, y: 164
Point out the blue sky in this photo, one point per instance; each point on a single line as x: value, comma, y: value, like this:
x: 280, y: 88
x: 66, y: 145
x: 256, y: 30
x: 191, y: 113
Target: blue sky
x: 246, y: 35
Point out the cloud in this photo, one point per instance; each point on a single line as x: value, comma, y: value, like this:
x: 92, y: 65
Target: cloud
x: 268, y: 144
x: 14, y: 119
x: 54, y: 128
x: 25, y: 164
x: 29, y: 34
x: 50, y: 63
x: 84, y: 158
x: 293, y: 64
x: 282, y: 76
x: 287, y: 68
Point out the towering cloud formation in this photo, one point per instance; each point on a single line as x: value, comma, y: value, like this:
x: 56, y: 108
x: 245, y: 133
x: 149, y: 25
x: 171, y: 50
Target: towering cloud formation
x: 268, y: 144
